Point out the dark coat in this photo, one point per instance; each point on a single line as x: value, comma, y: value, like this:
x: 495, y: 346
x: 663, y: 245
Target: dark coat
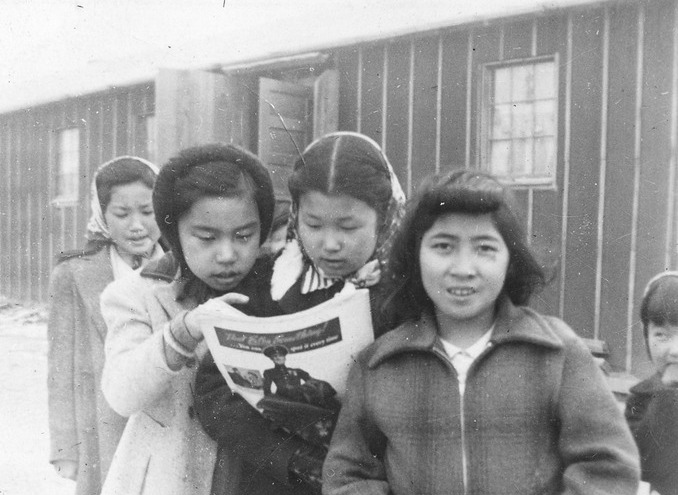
x: 240, y: 430
x: 287, y: 380
x: 536, y: 417
x: 652, y: 413
x: 83, y: 427
x: 266, y: 453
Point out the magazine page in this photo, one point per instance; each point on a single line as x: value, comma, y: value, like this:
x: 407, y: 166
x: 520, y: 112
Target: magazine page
x: 292, y: 368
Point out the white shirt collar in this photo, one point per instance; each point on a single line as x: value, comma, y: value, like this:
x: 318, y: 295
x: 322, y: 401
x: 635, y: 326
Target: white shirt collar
x: 474, y: 350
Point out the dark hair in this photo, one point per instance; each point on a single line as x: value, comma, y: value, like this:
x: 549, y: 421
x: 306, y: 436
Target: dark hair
x: 121, y: 171
x: 461, y: 191
x: 343, y: 164
x: 660, y: 302
x: 212, y: 170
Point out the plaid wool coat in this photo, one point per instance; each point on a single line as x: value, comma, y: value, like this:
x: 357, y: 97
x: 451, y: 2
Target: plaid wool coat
x: 536, y: 418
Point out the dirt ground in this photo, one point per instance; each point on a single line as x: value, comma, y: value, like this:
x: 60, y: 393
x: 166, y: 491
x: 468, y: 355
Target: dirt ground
x: 24, y: 465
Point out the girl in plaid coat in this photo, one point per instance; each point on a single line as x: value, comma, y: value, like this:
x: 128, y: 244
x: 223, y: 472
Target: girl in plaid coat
x: 475, y: 393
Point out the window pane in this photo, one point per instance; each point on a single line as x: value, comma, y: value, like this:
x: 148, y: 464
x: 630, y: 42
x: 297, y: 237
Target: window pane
x: 501, y: 122
x: 520, y: 138
x: 522, y: 83
x: 500, y: 158
x: 68, y: 185
x: 545, y: 115
x: 544, y: 75
x: 523, y: 120
x: 522, y: 157
x: 544, y: 156
x: 502, y: 85
x: 68, y: 163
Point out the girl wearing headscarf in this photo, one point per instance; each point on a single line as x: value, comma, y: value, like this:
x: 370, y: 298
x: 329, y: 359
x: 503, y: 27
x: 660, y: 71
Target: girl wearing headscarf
x: 121, y: 236
x: 346, y: 205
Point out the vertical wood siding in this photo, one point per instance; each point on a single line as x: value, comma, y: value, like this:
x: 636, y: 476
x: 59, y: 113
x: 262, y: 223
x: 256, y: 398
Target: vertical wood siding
x: 372, y: 88
x: 453, y: 84
x: 33, y: 229
x: 654, y: 149
x: 610, y: 221
x: 579, y: 273
x: 550, y: 37
x: 670, y: 252
x: 608, y: 224
x: 397, y: 117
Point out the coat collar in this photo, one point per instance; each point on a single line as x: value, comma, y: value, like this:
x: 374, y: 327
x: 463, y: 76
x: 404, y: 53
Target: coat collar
x: 650, y: 385
x: 164, y: 268
x: 91, y: 275
x: 97, y: 273
x: 163, y: 272
x: 513, y: 324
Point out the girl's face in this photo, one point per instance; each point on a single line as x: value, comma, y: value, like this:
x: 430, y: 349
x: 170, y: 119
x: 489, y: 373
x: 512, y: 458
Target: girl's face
x: 338, y: 232
x: 463, y: 260
x: 130, y: 219
x: 663, y: 344
x: 220, y: 239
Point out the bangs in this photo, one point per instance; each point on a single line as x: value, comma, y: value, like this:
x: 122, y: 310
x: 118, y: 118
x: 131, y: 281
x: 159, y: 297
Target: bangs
x: 221, y: 179
x: 661, y: 306
x: 463, y: 200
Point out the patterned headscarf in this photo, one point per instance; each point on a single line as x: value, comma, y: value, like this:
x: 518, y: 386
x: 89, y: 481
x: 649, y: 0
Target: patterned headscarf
x: 294, y: 263
x: 97, y: 230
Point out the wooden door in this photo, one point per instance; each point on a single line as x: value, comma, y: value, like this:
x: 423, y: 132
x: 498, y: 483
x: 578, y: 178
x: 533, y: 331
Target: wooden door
x: 285, y: 127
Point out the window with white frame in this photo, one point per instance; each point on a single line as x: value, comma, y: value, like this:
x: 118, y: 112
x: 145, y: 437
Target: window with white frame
x: 68, y: 164
x: 520, y: 106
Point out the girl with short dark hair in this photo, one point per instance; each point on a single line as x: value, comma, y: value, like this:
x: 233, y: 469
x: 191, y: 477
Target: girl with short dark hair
x: 474, y: 392
x: 652, y: 406
x: 214, y: 206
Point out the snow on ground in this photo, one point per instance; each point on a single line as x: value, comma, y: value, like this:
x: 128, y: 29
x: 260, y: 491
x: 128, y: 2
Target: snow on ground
x: 24, y: 433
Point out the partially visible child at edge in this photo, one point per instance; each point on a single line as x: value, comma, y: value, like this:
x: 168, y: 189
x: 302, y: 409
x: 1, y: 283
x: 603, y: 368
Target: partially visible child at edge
x: 214, y: 205
x: 346, y: 203
x: 121, y: 236
x: 652, y: 407
x: 474, y: 392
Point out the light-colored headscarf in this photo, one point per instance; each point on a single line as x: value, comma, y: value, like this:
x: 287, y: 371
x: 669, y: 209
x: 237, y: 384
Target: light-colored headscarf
x: 97, y: 229
x: 294, y: 263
